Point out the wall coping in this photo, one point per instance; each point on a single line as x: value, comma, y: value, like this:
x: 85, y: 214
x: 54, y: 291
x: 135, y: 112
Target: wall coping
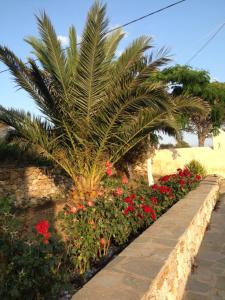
x: 156, y: 264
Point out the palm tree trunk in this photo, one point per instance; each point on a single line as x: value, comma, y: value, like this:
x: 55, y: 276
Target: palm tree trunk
x: 201, y: 139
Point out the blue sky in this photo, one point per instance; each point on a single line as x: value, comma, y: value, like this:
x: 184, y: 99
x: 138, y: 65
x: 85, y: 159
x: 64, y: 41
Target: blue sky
x: 183, y: 29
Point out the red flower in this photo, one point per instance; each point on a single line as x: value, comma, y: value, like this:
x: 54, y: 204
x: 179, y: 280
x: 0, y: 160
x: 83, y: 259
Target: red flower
x: 150, y: 210
x: 124, y: 180
x: 47, y: 235
x: 80, y: 207
x: 119, y: 191
x: 140, y: 216
x: 133, y: 196
x: 165, y: 189
x: 130, y: 208
x: 108, y: 164
x: 198, y: 177
x: 155, y: 187
x: 181, y: 182
x: 109, y: 172
x: 142, y: 199
x: 181, y: 174
x: 42, y: 227
x: 102, y: 242
x: 146, y: 208
x: 128, y: 200
x: 186, y: 172
x: 165, y: 178
x: 153, y: 215
x: 154, y: 200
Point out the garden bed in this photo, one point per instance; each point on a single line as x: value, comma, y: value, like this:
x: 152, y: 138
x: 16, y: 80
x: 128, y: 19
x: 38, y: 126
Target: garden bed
x: 61, y: 256
x: 156, y: 265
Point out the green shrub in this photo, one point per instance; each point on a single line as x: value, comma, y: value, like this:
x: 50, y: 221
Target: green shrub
x: 12, y: 154
x: 30, y: 269
x: 166, y: 146
x: 196, y: 168
x: 182, y: 144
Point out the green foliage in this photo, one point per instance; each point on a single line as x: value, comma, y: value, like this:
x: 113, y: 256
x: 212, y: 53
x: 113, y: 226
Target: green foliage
x: 182, y: 144
x: 196, y: 168
x: 166, y: 146
x: 29, y: 269
x: 183, y: 81
x: 97, y: 106
x: 12, y: 154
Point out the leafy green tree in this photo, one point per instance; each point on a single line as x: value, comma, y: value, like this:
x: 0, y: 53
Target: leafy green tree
x: 183, y: 80
x: 97, y: 106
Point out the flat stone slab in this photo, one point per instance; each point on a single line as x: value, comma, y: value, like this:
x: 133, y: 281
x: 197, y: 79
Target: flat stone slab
x: 207, y: 281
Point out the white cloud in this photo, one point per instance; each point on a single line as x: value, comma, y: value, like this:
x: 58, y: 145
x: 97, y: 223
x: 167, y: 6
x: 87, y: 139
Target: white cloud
x: 213, y: 79
x: 118, y: 52
x: 64, y: 40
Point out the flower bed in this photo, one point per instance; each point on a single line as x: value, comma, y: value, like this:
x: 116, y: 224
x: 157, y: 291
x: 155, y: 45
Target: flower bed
x: 61, y: 255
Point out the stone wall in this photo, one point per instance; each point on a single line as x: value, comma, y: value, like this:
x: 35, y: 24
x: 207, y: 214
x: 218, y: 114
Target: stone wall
x: 31, y: 186
x: 156, y: 265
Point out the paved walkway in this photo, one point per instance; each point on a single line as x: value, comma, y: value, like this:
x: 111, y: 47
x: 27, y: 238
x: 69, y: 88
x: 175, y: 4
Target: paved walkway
x: 207, y: 280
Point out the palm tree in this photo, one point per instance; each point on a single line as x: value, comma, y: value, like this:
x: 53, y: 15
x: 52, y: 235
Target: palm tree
x: 97, y: 106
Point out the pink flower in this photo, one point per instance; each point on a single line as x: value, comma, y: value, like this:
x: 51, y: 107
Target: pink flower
x: 90, y: 203
x: 108, y: 164
x: 73, y: 210
x: 119, y: 191
x: 109, y: 172
x: 124, y: 180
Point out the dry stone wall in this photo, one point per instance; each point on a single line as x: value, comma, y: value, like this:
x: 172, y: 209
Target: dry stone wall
x: 32, y: 186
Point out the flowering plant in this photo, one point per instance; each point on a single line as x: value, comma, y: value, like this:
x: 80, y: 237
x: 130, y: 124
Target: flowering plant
x: 119, y: 214
x: 42, y: 228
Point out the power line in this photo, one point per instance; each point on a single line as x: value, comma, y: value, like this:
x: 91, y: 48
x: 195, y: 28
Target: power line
x: 125, y: 24
x: 206, y: 43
